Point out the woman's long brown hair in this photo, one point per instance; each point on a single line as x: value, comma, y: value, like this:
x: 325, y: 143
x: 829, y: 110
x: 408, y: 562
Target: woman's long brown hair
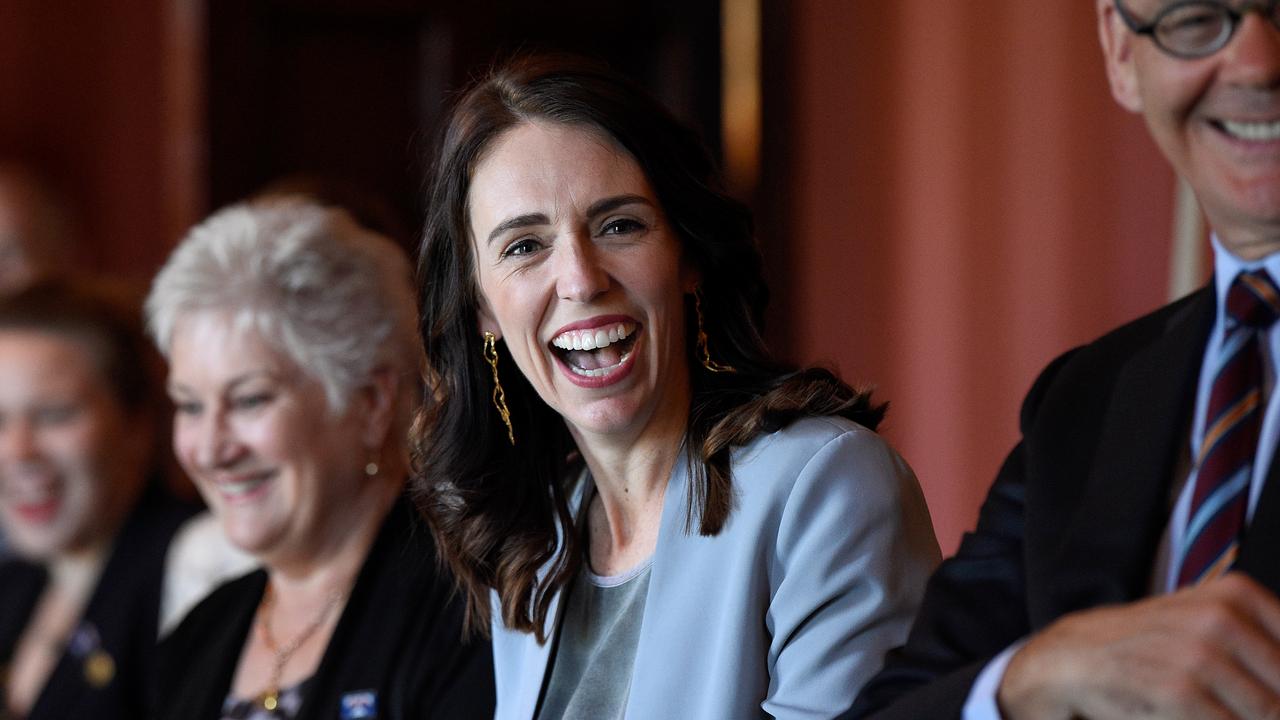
x: 500, y: 512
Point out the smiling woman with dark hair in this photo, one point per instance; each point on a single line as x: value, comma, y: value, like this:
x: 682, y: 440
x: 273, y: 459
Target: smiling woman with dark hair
x: 81, y: 503
x: 655, y: 517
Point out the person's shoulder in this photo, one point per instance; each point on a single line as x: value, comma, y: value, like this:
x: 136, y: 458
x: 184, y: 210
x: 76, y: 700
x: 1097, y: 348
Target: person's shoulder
x: 211, y: 615
x: 403, y: 557
x: 1087, y: 373
x: 1195, y: 309
x: 815, y: 450
x: 199, y: 559
x: 14, y: 568
x: 145, y: 537
x: 20, y: 584
x: 805, y: 437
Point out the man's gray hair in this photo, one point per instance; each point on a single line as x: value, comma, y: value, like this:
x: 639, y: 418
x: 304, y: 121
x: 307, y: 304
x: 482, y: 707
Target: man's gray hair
x: 335, y: 298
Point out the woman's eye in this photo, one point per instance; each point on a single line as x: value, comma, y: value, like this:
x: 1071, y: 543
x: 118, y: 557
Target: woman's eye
x: 621, y: 226
x: 523, y: 246
x: 55, y: 414
x: 249, y: 402
x: 186, y: 408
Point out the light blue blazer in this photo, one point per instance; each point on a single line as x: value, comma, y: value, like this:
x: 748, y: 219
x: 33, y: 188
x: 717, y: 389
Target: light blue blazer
x: 786, y: 612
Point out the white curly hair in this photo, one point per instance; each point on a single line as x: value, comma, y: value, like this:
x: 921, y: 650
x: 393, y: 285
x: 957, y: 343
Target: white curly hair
x: 334, y: 297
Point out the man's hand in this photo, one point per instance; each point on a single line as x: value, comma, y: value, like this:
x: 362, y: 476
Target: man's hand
x: 1207, y: 652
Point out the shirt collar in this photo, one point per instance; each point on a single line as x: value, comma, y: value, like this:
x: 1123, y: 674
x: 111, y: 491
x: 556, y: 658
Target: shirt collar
x: 1226, y: 266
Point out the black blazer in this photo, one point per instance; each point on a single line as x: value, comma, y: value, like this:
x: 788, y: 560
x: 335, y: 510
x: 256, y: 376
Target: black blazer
x: 399, y: 637
x: 1076, y: 514
x: 105, y: 671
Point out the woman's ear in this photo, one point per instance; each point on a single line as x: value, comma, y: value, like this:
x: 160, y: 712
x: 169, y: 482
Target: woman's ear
x: 485, y: 321
x: 379, y: 399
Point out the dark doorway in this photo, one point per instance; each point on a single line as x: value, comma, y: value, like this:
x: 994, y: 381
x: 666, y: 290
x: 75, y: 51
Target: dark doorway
x: 352, y: 91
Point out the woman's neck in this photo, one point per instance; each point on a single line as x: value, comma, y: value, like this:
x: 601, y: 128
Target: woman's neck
x: 333, y: 560
x: 75, y: 573
x: 631, y: 480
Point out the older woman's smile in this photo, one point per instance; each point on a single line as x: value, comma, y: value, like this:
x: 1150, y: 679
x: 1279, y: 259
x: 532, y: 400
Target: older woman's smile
x: 243, y: 487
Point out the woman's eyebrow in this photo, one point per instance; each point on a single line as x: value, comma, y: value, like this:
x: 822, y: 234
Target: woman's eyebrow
x: 518, y: 221
x: 615, y: 202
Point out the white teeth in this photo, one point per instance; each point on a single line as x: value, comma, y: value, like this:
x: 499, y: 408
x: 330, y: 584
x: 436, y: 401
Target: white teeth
x: 593, y: 339
x: 1257, y: 131
x: 236, y: 489
x: 599, y: 372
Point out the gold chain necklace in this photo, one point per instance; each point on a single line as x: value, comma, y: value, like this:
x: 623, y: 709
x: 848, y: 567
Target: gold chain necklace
x: 271, y: 696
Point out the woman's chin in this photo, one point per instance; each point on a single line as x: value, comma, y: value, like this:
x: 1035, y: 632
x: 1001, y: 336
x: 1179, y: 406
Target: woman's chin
x: 612, y: 416
x: 37, y: 545
x: 251, y: 533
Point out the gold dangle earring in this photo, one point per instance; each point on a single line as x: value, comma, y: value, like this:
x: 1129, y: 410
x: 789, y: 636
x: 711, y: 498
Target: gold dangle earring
x: 704, y: 354
x: 499, y: 397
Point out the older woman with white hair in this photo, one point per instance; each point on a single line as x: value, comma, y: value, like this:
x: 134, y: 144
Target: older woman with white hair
x: 294, y: 371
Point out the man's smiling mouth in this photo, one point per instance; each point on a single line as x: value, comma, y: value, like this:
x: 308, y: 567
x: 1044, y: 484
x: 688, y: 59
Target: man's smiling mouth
x: 1250, y: 131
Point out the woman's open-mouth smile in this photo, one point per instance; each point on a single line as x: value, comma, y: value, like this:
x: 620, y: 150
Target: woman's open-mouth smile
x: 596, y: 352
x: 242, y: 487
x: 37, y: 496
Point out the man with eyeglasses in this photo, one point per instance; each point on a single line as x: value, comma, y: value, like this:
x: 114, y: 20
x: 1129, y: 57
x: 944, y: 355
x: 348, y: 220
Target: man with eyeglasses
x: 1126, y: 562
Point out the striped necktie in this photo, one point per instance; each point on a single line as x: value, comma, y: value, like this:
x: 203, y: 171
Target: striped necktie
x: 1232, y: 420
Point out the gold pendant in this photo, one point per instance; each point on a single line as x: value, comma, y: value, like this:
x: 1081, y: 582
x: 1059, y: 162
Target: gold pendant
x: 99, y: 669
x: 271, y: 700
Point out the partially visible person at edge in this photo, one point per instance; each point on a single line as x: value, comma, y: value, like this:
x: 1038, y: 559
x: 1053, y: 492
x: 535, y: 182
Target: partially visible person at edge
x: 1127, y: 559
x: 82, y: 503
x: 655, y: 517
x: 294, y: 369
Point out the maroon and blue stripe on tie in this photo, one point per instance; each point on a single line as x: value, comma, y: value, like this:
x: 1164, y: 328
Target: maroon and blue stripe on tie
x: 1233, y: 418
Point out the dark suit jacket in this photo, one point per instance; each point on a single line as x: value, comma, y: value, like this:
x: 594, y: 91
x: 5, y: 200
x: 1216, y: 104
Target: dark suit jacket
x: 1075, y: 517
x: 399, y: 637
x: 121, y: 620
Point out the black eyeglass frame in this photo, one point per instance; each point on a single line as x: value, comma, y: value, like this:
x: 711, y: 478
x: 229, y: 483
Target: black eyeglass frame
x: 1234, y: 16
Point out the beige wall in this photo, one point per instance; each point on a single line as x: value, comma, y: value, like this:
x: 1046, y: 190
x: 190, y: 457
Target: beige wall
x: 82, y: 100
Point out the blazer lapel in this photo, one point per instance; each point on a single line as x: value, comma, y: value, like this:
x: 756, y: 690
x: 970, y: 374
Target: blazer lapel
x: 1107, y: 550
x: 535, y: 656
x: 534, y: 668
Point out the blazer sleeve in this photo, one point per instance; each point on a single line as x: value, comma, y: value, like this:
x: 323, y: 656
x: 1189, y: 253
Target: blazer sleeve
x: 975, y: 605
x: 855, y: 547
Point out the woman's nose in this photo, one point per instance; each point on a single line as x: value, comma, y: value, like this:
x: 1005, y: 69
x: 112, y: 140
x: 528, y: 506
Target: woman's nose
x: 580, y: 275
x: 214, y: 447
x: 17, y: 439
